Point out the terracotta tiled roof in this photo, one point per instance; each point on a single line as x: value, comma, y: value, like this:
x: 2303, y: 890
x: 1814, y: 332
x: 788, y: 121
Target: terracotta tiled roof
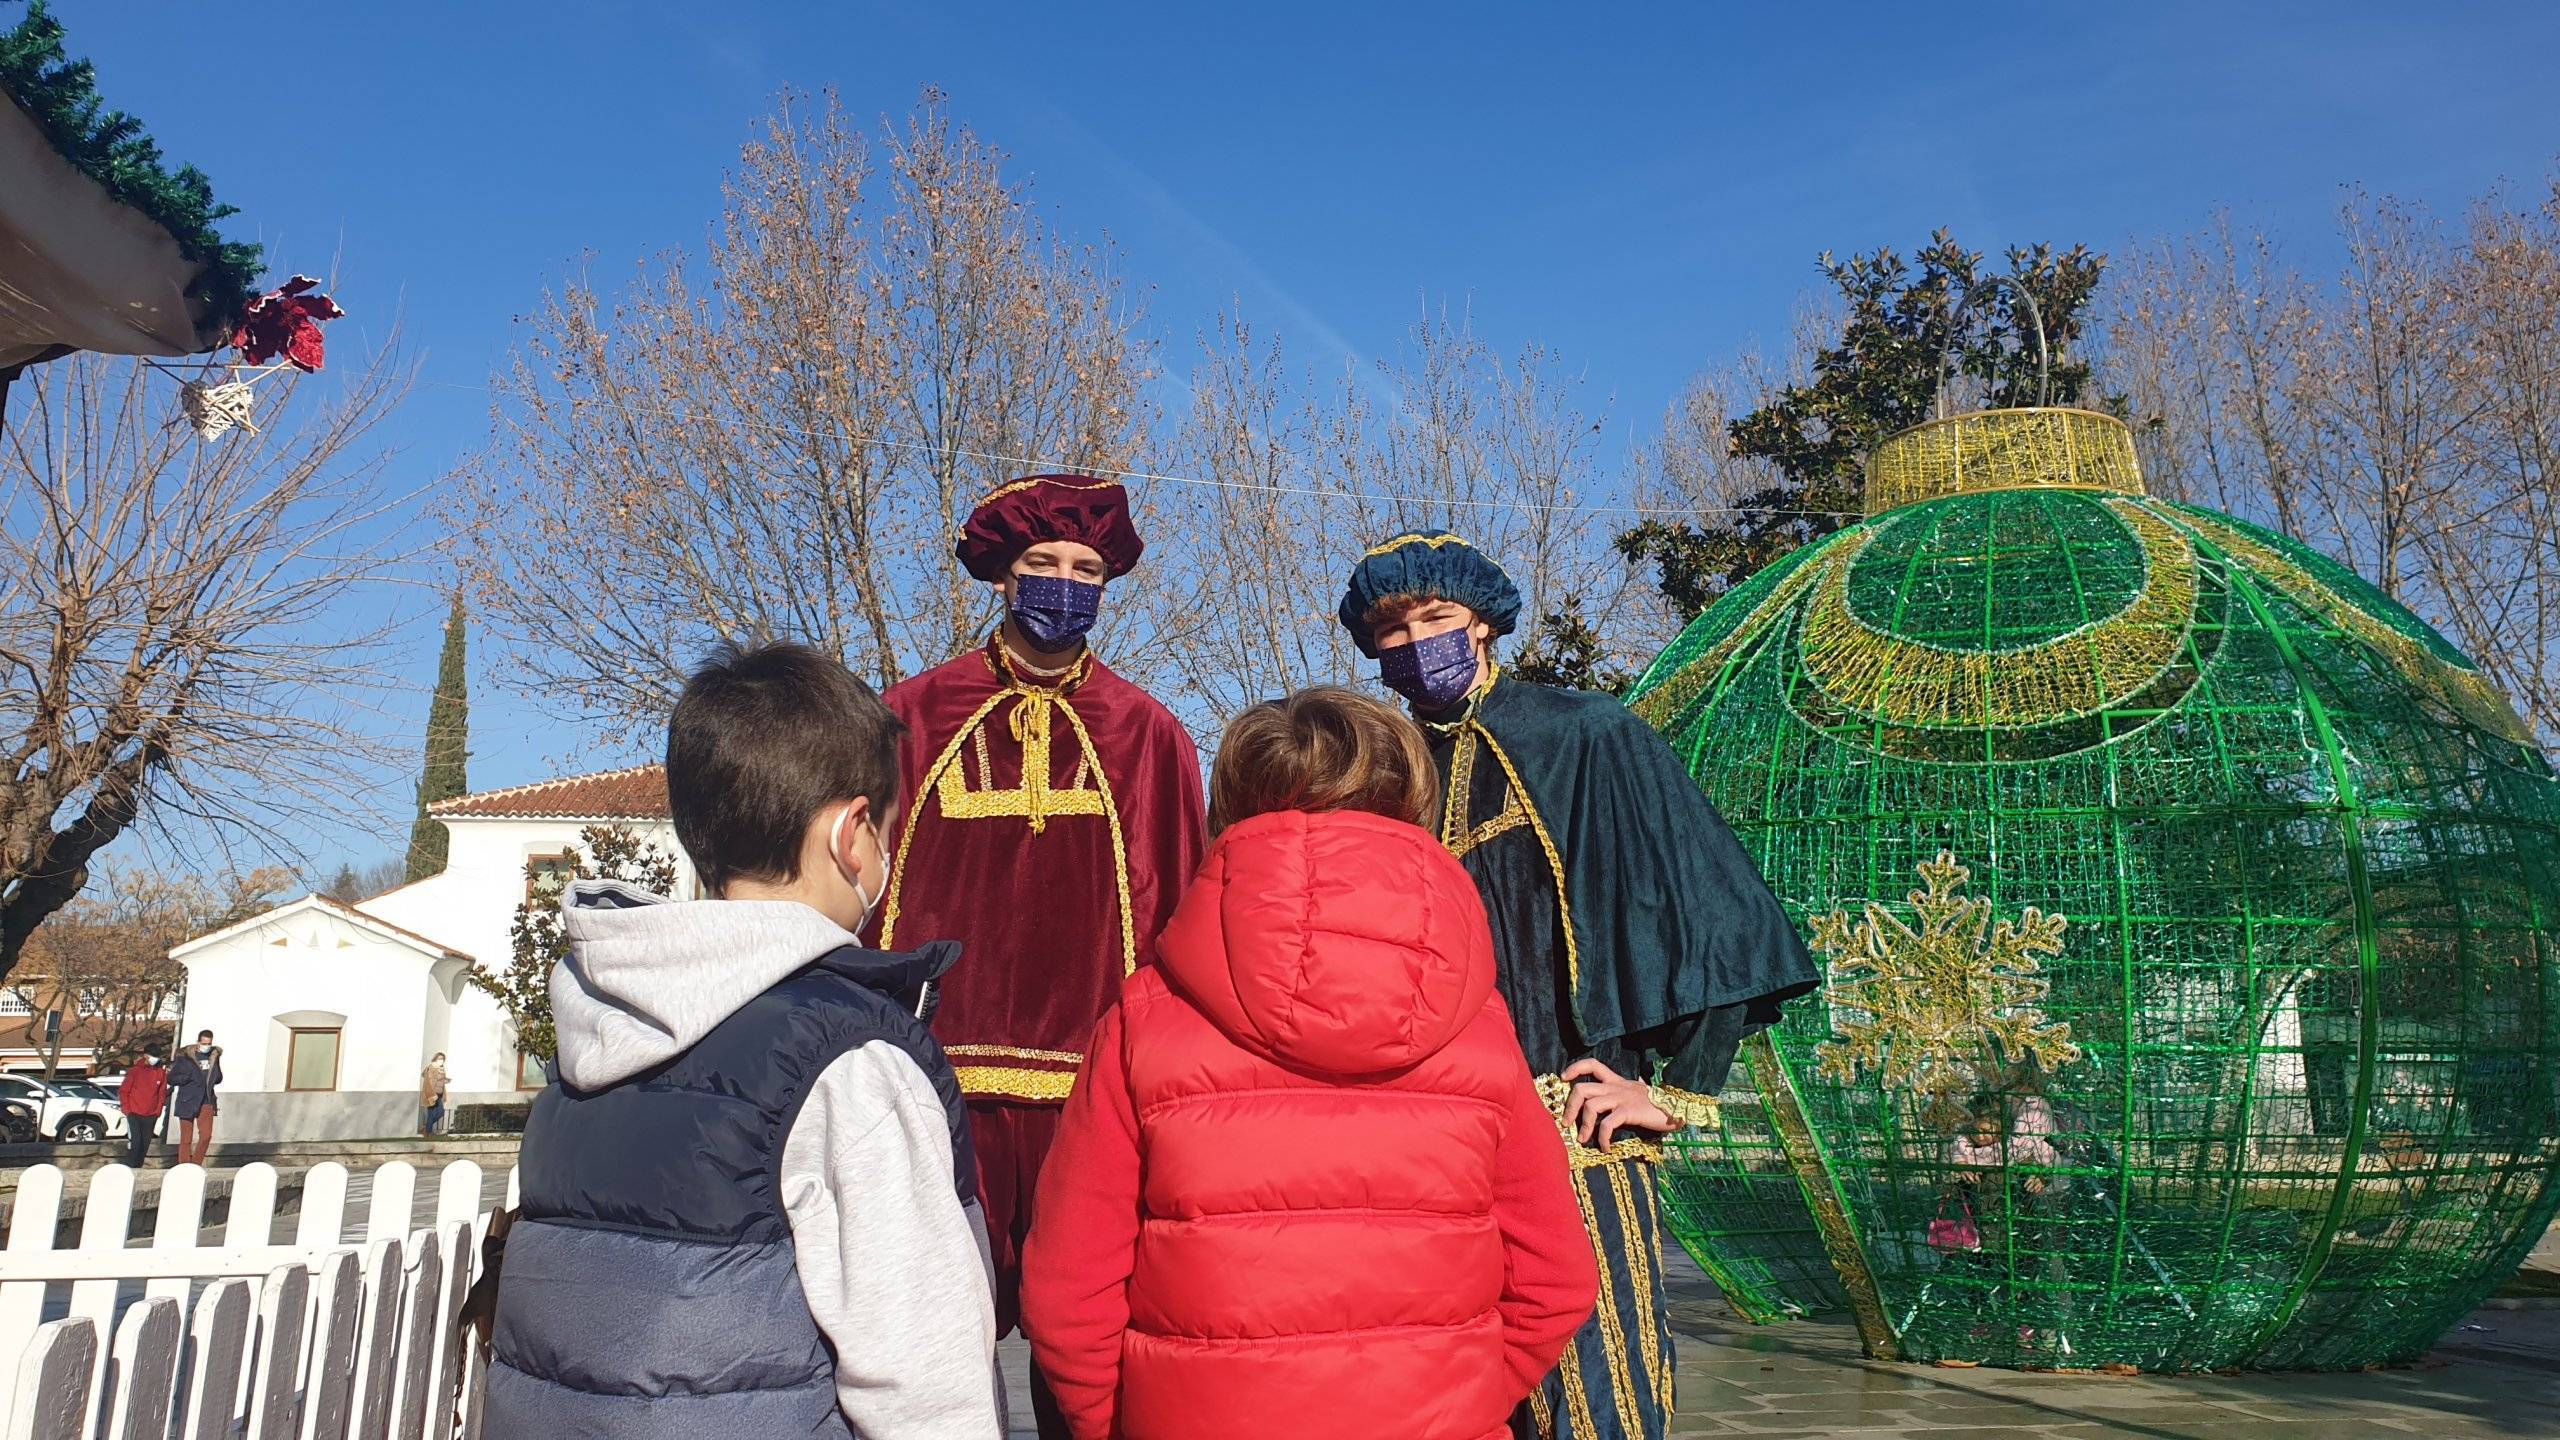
x: 79, y: 1032
x: 639, y: 793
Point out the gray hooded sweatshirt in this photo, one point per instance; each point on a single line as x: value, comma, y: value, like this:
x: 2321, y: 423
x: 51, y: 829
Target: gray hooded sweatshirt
x: 866, y: 1177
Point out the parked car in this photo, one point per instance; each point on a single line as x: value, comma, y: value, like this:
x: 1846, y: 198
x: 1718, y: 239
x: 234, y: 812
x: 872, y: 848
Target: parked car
x: 63, y: 1110
x: 17, y: 1122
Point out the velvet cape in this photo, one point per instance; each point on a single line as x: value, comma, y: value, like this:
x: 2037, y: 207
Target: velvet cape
x: 1671, y: 946
x: 1030, y: 878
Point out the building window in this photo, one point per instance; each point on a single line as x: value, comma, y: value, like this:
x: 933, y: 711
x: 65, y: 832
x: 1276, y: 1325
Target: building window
x: 547, y: 875
x: 530, y: 1074
x: 311, y: 1060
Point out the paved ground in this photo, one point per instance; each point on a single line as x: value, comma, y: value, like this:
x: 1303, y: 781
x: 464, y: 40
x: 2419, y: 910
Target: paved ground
x: 1806, y: 1379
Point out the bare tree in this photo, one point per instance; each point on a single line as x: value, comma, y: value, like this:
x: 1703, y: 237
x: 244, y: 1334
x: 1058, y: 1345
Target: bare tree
x: 174, y: 640
x: 2404, y: 418
x: 352, y: 884
x: 786, y: 436
x: 1689, y: 469
x: 1500, y: 451
x: 2388, y: 390
x: 1262, y: 531
x: 103, y: 960
x: 2498, y: 568
x: 2203, y: 338
x: 1288, y: 475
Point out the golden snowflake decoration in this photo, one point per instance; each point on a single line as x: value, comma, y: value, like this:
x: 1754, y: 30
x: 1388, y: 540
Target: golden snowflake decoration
x: 1922, y: 1010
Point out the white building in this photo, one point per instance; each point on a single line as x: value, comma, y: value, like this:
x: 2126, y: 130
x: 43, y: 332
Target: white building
x: 327, y: 1012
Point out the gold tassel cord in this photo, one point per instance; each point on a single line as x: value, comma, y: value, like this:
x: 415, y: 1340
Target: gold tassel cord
x: 1119, y: 846
x: 1640, y: 1275
x: 1613, y: 1334
x: 1519, y: 795
x: 933, y: 774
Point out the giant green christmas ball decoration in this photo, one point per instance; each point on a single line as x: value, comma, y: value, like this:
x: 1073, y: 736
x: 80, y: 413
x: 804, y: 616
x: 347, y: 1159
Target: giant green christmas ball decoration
x: 2191, y: 915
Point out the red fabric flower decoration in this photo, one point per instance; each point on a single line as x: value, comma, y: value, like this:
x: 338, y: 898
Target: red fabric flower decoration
x: 285, y: 321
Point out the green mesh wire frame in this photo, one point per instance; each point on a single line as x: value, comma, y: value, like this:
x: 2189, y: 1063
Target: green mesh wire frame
x: 2281, y: 1092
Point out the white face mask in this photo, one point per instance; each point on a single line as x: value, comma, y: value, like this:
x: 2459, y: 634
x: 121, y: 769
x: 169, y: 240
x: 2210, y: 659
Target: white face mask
x: 835, y: 843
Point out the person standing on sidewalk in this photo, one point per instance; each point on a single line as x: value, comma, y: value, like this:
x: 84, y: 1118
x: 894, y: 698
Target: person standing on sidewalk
x: 432, y: 1085
x: 193, y: 1079
x: 142, y: 1096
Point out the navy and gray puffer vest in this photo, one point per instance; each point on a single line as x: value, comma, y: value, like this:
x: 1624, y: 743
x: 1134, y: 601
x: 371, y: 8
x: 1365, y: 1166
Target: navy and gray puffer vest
x: 649, y: 1287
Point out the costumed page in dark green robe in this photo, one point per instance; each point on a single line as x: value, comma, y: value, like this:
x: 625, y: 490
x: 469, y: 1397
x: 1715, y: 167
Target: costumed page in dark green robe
x: 1663, y: 947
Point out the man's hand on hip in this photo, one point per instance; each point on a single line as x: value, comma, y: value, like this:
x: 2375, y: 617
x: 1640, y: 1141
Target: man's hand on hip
x: 1604, y: 1102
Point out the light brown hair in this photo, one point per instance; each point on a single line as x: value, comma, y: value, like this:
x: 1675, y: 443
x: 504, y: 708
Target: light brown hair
x: 1324, y: 749
x: 1396, y: 607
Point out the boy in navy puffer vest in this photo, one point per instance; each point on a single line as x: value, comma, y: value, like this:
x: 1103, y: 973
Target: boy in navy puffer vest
x: 748, y: 1204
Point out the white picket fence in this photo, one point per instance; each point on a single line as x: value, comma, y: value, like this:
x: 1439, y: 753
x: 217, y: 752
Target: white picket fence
x: 328, y: 1335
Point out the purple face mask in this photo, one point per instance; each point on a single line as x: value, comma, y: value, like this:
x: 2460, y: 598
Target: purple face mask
x: 1053, y: 612
x: 1434, y: 672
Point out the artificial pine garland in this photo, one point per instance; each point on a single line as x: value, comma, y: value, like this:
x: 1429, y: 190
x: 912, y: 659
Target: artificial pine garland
x: 109, y: 147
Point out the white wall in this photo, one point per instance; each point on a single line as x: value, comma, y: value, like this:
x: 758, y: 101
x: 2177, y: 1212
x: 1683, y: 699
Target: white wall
x: 470, y: 907
x: 313, y: 966
x: 267, y: 1117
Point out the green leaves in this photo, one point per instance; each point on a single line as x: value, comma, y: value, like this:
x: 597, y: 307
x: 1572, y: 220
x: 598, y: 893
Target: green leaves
x: 1907, y: 323
x: 110, y: 147
x: 444, y: 775
x: 1564, y: 650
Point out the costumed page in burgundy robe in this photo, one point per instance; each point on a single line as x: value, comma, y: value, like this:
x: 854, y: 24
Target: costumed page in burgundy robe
x: 1021, y: 866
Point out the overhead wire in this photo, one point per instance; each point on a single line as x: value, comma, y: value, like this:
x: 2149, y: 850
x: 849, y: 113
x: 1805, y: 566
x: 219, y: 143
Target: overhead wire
x: 1027, y: 463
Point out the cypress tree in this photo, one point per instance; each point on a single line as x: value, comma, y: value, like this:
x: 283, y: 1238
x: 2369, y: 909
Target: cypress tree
x: 448, y: 751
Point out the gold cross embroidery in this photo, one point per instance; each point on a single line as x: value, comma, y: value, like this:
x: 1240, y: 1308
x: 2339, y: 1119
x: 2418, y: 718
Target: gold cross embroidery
x: 1036, y: 798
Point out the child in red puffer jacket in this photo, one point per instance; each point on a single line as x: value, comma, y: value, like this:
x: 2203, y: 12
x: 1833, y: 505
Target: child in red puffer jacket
x: 1304, y: 1185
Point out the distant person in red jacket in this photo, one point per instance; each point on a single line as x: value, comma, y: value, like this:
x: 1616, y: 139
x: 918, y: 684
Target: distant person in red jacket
x: 1304, y: 1185
x: 142, y: 1096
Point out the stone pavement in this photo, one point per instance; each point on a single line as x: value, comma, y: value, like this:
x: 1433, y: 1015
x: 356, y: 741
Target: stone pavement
x: 2497, y: 1376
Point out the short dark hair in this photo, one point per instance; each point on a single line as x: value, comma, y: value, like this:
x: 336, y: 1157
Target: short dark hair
x: 204, y: 1034
x: 762, y: 739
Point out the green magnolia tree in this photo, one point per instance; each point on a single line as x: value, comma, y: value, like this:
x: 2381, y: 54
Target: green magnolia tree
x: 1565, y: 649
x: 1881, y: 376
x: 446, y: 772
x: 541, y: 937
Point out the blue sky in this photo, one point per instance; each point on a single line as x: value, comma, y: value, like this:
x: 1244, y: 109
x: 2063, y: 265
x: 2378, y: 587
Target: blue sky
x: 1643, y: 189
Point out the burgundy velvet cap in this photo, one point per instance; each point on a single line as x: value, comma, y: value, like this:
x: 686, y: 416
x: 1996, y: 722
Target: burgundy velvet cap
x: 1040, y: 508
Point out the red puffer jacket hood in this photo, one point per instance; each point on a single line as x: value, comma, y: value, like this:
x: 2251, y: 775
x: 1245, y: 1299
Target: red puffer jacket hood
x: 1337, y: 944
